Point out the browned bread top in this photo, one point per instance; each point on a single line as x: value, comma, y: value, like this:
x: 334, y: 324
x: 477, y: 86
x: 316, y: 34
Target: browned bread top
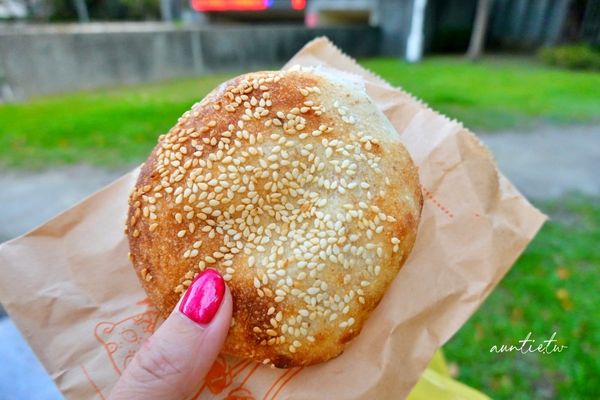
x: 296, y: 188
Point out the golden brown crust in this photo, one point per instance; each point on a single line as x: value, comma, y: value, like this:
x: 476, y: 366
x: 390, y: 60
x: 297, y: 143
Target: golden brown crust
x: 296, y: 188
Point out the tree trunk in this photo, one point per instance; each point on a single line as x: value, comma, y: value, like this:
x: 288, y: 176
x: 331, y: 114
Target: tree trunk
x: 166, y: 11
x: 479, y: 29
x: 82, y: 11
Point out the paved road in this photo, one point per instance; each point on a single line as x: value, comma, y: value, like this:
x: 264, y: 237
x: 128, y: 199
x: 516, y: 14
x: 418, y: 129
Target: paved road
x: 543, y: 164
x: 22, y: 377
x: 549, y: 162
x: 30, y: 198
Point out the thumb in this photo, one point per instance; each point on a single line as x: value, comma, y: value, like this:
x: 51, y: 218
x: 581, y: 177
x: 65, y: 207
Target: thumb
x: 173, y: 361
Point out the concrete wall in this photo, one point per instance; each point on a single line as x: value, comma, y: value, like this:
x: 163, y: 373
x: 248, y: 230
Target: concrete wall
x: 394, y: 17
x: 41, y: 61
x: 526, y: 24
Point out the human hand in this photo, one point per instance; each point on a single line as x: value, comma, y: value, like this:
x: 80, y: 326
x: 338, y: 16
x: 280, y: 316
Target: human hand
x: 172, y: 362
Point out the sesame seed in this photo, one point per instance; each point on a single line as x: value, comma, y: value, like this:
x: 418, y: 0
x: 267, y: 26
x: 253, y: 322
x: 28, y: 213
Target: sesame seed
x: 312, y: 290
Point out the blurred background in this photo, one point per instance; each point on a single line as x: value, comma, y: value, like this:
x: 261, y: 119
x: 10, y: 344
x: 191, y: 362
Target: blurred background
x: 86, y: 86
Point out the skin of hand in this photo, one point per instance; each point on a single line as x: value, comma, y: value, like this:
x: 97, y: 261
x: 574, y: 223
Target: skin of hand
x: 172, y: 363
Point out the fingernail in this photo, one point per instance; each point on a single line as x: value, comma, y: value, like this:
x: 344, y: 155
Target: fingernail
x: 203, y: 298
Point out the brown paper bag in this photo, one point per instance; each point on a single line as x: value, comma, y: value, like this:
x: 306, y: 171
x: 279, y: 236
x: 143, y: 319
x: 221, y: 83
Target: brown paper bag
x: 71, y: 290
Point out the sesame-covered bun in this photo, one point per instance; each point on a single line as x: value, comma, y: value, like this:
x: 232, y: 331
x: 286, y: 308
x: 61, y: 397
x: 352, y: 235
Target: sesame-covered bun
x: 297, y: 189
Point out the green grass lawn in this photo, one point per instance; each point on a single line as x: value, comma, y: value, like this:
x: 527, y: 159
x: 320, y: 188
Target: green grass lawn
x: 498, y: 93
x: 119, y: 126
x: 554, y: 287
x: 108, y: 127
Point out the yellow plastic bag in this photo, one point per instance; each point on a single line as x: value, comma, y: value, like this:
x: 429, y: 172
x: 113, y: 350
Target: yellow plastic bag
x: 436, y: 383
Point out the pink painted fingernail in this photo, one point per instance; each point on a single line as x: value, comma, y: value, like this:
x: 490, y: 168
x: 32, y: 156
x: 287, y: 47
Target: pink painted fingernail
x: 202, y: 299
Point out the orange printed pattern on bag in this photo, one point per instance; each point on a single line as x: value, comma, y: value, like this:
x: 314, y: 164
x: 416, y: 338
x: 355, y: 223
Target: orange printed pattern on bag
x: 228, y: 378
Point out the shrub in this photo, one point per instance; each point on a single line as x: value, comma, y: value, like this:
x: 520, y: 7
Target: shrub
x: 578, y: 56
